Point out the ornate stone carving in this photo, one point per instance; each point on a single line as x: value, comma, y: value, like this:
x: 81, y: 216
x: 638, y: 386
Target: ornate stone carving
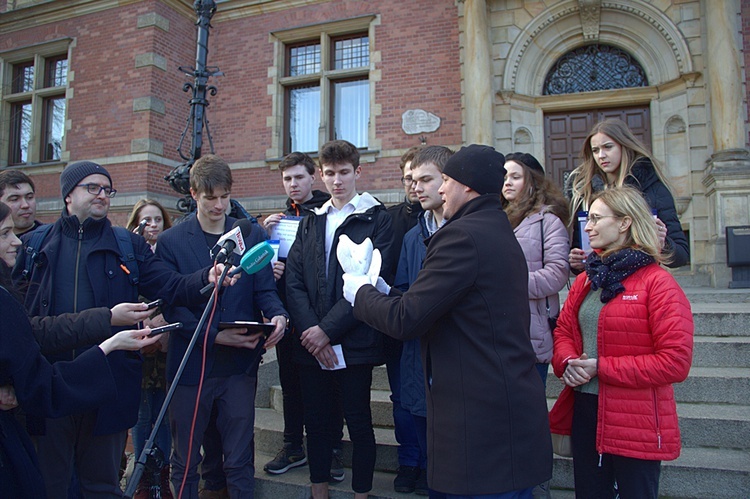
x: 590, y: 17
x: 415, y: 121
x: 522, y: 136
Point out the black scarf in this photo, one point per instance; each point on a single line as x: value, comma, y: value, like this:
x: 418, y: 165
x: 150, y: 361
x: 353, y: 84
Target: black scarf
x: 608, y: 275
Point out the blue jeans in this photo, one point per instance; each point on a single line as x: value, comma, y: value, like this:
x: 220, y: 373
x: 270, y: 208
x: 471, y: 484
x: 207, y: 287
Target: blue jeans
x: 151, y: 402
x: 406, y: 432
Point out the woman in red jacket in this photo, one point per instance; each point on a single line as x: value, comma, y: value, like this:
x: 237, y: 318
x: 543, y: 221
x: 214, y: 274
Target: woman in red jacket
x: 624, y: 336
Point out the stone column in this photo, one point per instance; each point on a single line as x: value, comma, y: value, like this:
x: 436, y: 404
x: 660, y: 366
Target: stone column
x: 727, y: 177
x: 724, y: 75
x: 478, y: 94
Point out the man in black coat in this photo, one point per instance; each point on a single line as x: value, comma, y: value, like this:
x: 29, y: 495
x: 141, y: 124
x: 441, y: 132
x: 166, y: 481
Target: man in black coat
x: 486, y: 410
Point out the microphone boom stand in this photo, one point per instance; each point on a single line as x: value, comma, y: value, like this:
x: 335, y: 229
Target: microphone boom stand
x: 148, y: 449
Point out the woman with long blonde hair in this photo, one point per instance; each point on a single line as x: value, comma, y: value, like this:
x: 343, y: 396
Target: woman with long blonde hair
x: 624, y: 337
x: 613, y: 157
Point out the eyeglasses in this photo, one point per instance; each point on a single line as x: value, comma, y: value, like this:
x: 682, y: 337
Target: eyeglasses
x: 593, y: 218
x: 407, y: 181
x: 95, y: 189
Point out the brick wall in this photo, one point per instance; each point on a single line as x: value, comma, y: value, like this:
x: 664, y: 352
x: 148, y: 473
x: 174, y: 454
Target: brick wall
x: 417, y: 41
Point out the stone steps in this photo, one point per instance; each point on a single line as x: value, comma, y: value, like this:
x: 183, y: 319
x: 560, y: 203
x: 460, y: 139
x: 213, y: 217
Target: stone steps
x: 699, y: 472
x: 712, y: 404
x: 726, y: 351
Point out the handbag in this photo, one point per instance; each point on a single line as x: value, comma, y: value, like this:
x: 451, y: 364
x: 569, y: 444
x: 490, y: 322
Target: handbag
x: 561, y: 445
x: 552, y: 321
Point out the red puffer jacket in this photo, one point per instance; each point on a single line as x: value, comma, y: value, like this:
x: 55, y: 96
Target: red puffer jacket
x: 645, y: 343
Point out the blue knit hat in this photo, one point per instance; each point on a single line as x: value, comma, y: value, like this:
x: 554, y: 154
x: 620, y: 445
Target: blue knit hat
x: 72, y: 175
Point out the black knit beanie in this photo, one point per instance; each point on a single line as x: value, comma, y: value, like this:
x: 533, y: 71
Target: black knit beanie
x: 479, y: 167
x: 72, y: 175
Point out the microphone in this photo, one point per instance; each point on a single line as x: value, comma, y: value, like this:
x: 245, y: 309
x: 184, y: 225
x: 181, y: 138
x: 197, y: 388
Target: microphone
x: 255, y: 259
x: 252, y: 261
x: 233, y: 241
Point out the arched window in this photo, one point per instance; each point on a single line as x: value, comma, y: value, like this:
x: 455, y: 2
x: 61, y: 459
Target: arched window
x: 594, y: 67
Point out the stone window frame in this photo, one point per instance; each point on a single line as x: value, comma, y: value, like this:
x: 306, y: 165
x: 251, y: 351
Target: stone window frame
x: 39, y: 96
x: 326, y: 34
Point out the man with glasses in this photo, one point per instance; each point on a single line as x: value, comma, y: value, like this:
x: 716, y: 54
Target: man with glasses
x: 77, y: 266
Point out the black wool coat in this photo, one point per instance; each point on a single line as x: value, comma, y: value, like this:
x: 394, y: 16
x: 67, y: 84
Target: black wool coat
x: 487, y: 427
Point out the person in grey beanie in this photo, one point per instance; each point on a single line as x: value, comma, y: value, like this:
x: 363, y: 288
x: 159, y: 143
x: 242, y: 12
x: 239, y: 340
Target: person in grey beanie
x: 487, y: 427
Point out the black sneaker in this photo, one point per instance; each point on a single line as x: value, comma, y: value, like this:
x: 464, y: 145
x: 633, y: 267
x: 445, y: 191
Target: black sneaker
x: 406, y: 479
x: 337, y: 466
x: 286, y: 459
x: 420, y: 486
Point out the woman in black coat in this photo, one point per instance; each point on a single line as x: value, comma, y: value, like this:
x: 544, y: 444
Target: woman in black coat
x: 613, y: 157
x: 29, y: 381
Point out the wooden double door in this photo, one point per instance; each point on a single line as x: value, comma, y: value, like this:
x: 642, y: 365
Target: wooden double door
x: 565, y: 132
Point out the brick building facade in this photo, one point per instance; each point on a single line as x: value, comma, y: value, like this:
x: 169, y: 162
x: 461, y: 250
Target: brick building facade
x: 477, y: 65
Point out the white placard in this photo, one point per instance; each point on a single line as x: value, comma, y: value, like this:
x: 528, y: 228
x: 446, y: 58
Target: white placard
x: 285, y: 232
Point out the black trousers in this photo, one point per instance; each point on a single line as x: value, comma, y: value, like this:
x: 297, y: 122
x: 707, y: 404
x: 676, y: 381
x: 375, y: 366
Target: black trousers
x: 319, y: 396
x: 605, y: 476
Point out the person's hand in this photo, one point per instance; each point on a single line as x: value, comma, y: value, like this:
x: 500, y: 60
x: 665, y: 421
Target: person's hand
x: 577, y: 259
x: 314, y: 340
x: 327, y: 357
x: 352, y: 283
x: 278, y: 333
x: 237, y: 337
x: 132, y: 339
x: 580, y: 371
x: 382, y: 286
x: 8, y: 399
x: 215, y: 272
x: 661, y: 231
x: 278, y: 270
x: 128, y: 314
x: 156, y: 321
x: 272, y: 221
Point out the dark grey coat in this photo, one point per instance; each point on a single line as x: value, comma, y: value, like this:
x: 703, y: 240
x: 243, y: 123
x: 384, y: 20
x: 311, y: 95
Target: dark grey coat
x: 487, y: 427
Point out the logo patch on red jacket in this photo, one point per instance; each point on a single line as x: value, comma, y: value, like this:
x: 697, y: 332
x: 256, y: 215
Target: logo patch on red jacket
x: 630, y: 297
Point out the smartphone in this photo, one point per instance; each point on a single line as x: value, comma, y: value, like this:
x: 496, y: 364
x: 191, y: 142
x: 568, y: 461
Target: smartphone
x: 141, y: 227
x: 152, y: 305
x: 164, y: 329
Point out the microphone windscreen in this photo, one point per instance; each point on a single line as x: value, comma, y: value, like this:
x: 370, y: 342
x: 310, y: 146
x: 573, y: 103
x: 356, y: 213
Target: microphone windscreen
x: 257, y: 257
x: 245, y: 225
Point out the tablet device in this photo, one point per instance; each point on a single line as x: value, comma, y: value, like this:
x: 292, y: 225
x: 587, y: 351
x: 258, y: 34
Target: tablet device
x: 252, y: 327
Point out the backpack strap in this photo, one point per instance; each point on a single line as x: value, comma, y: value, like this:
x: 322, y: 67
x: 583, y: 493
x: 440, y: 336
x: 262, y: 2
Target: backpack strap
x: 127, y: 254
x: 34, y: 244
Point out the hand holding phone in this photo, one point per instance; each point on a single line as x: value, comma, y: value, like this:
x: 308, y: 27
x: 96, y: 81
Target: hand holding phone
x: 164, y: 329
x: 152, y: 305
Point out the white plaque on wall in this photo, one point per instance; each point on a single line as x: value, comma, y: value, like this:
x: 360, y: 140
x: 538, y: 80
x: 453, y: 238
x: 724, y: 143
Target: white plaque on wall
x: 415, y: 121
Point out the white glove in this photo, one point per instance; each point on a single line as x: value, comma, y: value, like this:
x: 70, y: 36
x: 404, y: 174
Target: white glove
x: 382, y: 286
x: 352, y: 283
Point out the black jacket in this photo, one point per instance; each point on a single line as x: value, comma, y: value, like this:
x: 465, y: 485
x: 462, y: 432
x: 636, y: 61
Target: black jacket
x: 487, y: 427
x: 42, y: 389
x: 65, y: 332
x: 644, y: 178
x: 316, y: 299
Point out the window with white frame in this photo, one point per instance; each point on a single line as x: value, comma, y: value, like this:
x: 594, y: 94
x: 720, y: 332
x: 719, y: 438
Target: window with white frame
x: 325, y: 85
x: 33, y: 104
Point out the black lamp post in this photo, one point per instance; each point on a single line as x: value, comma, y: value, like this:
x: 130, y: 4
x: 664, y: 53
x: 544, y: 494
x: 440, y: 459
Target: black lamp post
x: 179, y: 178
